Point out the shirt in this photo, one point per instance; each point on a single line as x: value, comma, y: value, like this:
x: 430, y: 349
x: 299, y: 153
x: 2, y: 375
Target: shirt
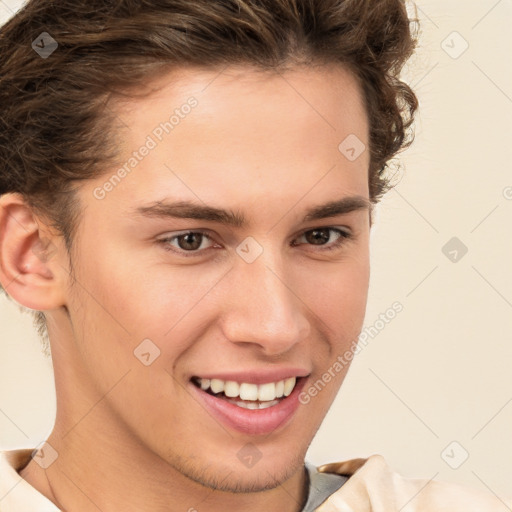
x: 355, y: 485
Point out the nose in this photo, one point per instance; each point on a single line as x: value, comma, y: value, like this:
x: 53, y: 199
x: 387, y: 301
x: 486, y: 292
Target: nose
x: 263, y: 308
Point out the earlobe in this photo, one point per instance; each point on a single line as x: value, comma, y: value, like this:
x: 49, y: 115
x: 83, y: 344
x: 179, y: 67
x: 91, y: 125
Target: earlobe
x: 29, y: 269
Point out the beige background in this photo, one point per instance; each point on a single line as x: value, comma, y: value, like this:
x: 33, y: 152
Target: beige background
x: 440, y: 371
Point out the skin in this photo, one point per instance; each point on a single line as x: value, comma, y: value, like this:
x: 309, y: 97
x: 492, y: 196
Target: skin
x: 131, y: 436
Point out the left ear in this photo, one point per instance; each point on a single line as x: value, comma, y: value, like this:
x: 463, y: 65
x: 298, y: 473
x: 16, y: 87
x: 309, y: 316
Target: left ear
x: 30, y: 256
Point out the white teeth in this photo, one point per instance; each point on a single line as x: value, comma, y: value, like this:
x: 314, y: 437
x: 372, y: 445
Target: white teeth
x: 254, y: 405
x: 232, y: 389
x: 217, y: 385
x: 266, y: 393
x: 289, y: 384
x: 248, y: 391
x: 264, y: 405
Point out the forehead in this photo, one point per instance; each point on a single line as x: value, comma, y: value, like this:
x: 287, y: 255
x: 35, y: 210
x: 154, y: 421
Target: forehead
x: 256, y: 136
x: 328, y: 95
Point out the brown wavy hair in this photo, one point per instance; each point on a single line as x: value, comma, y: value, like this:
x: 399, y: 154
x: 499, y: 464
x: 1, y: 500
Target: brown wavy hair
x: 57, y: 129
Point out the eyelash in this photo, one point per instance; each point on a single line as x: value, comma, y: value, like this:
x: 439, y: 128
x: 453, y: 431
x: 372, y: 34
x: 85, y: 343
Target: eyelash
x: 165, y: 242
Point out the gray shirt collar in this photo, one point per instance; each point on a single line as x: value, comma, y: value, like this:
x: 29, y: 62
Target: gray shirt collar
x: 321, y: 486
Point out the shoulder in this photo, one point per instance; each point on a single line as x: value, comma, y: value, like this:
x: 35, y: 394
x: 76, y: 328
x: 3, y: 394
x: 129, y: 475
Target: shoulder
x: 374, y: 486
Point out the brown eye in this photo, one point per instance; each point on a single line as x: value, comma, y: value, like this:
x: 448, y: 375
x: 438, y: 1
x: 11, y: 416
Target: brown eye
x: 318, y: 236
x: 191, y: 242
x: 321, y: 237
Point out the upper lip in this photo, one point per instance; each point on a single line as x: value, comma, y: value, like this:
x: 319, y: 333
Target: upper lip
x: 253, y: 376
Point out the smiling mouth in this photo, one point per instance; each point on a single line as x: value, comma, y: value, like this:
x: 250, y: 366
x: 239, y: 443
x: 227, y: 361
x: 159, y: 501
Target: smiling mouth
x: 247, y: 395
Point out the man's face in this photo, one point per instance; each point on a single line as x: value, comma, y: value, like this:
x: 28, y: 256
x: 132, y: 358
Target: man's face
x: 155, y: 314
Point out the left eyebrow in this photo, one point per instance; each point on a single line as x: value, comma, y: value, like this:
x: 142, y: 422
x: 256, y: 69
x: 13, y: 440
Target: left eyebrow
x: 193, y: 210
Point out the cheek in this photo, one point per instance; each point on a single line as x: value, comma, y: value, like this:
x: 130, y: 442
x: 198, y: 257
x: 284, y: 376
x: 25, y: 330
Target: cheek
x: 137, y: 292
x: 337, y: 292
x: 169, y: 306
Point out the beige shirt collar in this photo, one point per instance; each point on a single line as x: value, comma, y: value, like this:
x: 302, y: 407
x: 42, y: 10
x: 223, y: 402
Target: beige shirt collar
x: 16, y: 494
x: 374, y: 487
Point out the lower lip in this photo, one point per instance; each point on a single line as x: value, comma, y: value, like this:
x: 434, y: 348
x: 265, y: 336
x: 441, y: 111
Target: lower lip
x: 252, y: 421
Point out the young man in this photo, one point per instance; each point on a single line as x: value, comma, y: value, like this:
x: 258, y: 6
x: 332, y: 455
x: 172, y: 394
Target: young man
x: 186, y: 200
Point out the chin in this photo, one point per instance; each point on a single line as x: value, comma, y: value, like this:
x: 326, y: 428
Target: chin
x: 235, y: 477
